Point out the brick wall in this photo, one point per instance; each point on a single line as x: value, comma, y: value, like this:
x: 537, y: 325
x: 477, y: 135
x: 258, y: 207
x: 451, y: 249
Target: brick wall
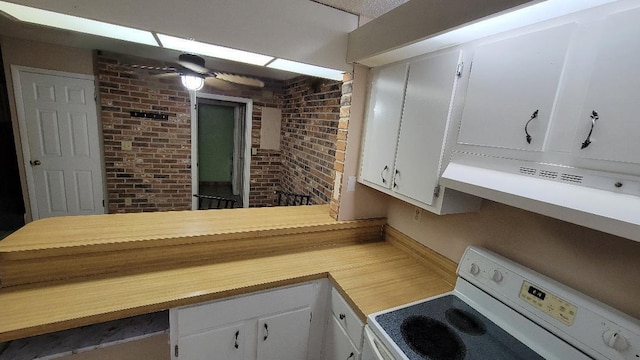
x: 155, y: 174
x: 341, y: 142
x: 310, y: 117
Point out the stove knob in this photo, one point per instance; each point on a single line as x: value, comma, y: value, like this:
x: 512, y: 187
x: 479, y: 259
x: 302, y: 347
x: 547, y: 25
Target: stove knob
x: 615, y: 340
x: 497, y: 276
x: 474, y: 269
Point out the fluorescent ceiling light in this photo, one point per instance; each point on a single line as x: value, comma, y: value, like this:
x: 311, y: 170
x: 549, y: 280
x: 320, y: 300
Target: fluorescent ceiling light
x: 306, y: 69
x: 74, y: 23
x: 510, y: 20
x: 200, y: 48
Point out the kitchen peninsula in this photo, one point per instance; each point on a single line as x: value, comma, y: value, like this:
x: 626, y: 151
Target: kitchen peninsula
x: 67, y: 272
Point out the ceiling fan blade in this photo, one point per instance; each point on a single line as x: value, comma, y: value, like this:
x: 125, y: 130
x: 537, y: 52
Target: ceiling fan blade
x: 165, y: 75
x: 219, y: 84
x: 239, y: 79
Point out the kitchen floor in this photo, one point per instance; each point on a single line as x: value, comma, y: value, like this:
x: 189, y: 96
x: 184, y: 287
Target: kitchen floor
x: 223, y: 190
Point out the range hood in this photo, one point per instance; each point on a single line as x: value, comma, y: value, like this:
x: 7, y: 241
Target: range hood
x: 582, y: 197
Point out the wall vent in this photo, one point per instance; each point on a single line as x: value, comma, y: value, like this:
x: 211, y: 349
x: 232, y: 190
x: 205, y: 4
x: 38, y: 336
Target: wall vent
x: 527, y: 170
x: 577, y: 179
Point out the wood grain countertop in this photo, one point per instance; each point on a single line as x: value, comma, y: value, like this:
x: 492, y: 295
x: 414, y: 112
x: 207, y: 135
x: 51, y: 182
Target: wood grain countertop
x: 371, y: 275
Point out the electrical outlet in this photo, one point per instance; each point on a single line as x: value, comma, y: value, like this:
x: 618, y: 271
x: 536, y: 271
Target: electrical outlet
x: 417, y: 214
x: 127, y: 202
x: 126, y: 145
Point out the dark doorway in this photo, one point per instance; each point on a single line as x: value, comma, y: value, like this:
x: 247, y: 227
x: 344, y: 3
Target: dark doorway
x: 220, y: 137
x: 11, y: 202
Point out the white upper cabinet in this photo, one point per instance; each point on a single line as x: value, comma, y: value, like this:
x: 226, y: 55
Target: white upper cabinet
x: 383, y: 122
x: 612, y: 101
x: 427, y: 105
x: 512, y: 89
x: 407, y: 128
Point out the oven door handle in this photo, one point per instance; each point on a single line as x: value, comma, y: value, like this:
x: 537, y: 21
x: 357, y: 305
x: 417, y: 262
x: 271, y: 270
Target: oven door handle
x: 378, y: 350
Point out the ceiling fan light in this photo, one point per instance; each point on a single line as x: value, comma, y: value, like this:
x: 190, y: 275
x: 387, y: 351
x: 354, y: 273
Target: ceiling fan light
x: 191, y: 82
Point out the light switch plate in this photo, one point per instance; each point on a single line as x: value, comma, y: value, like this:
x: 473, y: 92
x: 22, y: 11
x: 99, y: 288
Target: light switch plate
x: 351, y: 184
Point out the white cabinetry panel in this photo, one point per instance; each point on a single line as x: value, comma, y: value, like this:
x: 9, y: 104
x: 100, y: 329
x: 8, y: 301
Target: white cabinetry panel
x: 224, y: 342
x: 284, y: 336
x: 272, y: 325
x: 614, y: 94
x: 407, y: 128
x: 511, y: 80
x: 425, y: 117
x: 338, y: 346
x: 383, y: 122
x: 343, y: 336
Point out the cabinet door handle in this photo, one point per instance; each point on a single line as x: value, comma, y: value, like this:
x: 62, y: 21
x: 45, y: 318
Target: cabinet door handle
x: 235, y: 345
x: 266, y: 335
x: 351, y: 356
x: 526, y: 126
x: 395, y: 175
x: 386, y: 168
x: 594, y: 118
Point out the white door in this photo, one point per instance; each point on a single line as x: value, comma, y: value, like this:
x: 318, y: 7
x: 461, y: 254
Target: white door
x: 60, y: 141
x: 425, y: 116
x: 225, y: 343
x: 512, y: 89
x: 284, y: 336
x: 383, y: 123
x: 608, y: 126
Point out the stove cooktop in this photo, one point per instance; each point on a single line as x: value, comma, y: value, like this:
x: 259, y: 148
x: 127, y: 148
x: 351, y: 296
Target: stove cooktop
x: 502, y: 310
x: 446, y: 328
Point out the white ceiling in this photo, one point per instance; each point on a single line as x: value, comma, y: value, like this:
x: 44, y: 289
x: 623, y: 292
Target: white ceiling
x: 15, y: 29
x: 369, y: 9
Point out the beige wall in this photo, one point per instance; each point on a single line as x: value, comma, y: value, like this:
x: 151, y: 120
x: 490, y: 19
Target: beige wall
x: 600, y: 265
x: 43, y: 56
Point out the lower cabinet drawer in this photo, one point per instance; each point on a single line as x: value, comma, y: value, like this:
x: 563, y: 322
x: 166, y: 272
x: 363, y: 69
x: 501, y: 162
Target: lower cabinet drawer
x: 338, y: 345
x: 346, y: 317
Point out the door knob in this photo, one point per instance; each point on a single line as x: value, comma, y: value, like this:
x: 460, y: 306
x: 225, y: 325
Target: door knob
x: 35, y: 162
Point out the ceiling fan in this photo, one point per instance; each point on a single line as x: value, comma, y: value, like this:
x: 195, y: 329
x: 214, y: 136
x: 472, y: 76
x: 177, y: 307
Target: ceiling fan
x: 194, y: 74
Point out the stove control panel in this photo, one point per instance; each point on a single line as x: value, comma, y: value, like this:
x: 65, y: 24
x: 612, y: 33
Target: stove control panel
x: 548, y: 303
x: 594, y: 328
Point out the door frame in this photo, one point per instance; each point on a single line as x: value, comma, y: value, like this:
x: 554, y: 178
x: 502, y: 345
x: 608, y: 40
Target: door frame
x: 24, y: 138
x: 193, y: 97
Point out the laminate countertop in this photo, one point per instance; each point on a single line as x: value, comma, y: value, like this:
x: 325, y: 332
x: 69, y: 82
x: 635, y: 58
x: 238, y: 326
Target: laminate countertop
x: 372, y: 273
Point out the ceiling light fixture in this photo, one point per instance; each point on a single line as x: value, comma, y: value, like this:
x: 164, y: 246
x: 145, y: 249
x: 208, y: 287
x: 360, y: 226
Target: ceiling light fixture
x: 222, y: 52
x: 306, y: 69
x: 75, y: 23
x: 495, y: 24
x: 192, y: 82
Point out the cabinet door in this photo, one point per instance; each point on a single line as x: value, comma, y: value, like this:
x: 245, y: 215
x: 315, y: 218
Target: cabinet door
x: 225, y: 343
x: 382, y: 124
x: 338, y: 346
x: 613, y: 94
x: 284, y: 336
x: 424, y: 122
x: 513, y: 81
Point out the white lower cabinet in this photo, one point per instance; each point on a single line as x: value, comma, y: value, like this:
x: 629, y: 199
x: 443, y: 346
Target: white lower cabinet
x: 284, y: 336
x: 311, y: 321
x: 225, y: 342
x: 343, y: 336
x: 271, y: 325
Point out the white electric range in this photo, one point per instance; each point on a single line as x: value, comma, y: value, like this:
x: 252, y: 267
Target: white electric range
x: 502, y: 310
